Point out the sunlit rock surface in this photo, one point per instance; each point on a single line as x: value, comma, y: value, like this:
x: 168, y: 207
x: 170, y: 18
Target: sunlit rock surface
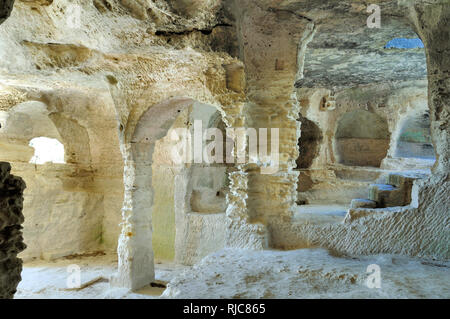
x: 110, y: 80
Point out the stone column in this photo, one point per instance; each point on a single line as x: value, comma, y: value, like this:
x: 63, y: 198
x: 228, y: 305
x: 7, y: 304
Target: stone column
x: 11, y: 240
x: 135, y: 252
x: 432, y: 23
x: 182, y: 191
x: 270, y: 39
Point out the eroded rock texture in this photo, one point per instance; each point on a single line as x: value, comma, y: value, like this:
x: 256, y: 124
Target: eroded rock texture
x: 306, y: 274
x: 11, y: 241
x: 109, y: 79
x: 6, y: 7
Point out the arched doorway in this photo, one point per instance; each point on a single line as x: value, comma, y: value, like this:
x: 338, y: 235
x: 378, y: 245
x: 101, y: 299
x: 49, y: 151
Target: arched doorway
x: 184, y: 233
x: 361, y: 139
x: 136, y: 255
x: 414, y: 140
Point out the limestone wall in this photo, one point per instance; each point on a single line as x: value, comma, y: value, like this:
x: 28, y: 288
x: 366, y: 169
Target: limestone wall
x: 328, y: 180
x: 86, y: 82
x: 395, y: 230
x: 61, y: 216
x: 108, y: 79
x: 72, y: 207
x: 186, y: 233
x: 398, y: 230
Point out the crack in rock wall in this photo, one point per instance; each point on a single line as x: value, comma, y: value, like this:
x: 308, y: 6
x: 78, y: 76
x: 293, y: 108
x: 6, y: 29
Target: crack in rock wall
x: 11, y: 241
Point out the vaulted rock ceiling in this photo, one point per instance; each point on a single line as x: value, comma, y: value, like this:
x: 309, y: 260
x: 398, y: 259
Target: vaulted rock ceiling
x: 345, y: 52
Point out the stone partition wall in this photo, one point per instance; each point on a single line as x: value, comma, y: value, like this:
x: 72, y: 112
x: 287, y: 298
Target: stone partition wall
x: 423, y: 227
x: 270, y: 39
x: 11, y: 241
x: 362, y: 139
x: 136, y: 255
x: 73, y: 206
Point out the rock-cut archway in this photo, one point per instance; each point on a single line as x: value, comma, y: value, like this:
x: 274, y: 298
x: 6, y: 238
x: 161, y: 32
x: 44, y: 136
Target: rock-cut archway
x: 362, y: 139
x: 136, y: 258
x: 414, y: 137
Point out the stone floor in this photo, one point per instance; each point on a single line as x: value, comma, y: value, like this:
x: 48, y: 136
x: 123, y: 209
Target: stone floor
x: 48, y: 280
x: 233, y: 273
x: 309, y: 273
x: 320, y: 213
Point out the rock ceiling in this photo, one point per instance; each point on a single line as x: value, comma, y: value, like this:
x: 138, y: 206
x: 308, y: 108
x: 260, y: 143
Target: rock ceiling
x: 345, y: 52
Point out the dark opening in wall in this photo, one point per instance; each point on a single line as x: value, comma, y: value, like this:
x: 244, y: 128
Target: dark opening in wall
x: 308, y: 143
x: 362, y: 139
x: 415, y: 137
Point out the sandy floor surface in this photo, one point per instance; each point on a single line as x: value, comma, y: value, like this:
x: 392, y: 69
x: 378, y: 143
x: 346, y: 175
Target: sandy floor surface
x: 234, y: 273
x: 49, y: 280
x: 309, y: 273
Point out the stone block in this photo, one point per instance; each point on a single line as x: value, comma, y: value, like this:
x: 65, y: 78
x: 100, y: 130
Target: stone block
x: 362, y: 203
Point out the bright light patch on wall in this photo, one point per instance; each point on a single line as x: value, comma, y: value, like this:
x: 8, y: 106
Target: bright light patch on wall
x: 47, y: 150
x: 404, y: 43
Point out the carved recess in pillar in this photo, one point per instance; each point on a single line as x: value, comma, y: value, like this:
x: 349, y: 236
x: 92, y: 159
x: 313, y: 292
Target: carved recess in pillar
x: 235, y: 77
x: 328, y: 103
x: 11, y: 240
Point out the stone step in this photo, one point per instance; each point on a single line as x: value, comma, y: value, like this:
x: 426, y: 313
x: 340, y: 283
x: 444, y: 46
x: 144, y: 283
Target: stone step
x: 362, y: 203
x: 386, y: 195
x: 396, y: 192
x: 362, y: 174
x: 401, y: 179
x: 405, y: 182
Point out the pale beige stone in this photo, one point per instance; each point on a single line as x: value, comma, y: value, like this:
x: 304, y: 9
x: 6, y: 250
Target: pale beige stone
x: 112, y: 79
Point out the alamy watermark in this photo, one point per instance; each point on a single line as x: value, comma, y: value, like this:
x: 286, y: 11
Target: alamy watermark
x: 238, y: 146
x: 374, y: 20
x: 374, y: 279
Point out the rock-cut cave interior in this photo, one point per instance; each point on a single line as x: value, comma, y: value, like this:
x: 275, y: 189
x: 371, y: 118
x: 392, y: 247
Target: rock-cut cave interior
x: 103, y: 102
